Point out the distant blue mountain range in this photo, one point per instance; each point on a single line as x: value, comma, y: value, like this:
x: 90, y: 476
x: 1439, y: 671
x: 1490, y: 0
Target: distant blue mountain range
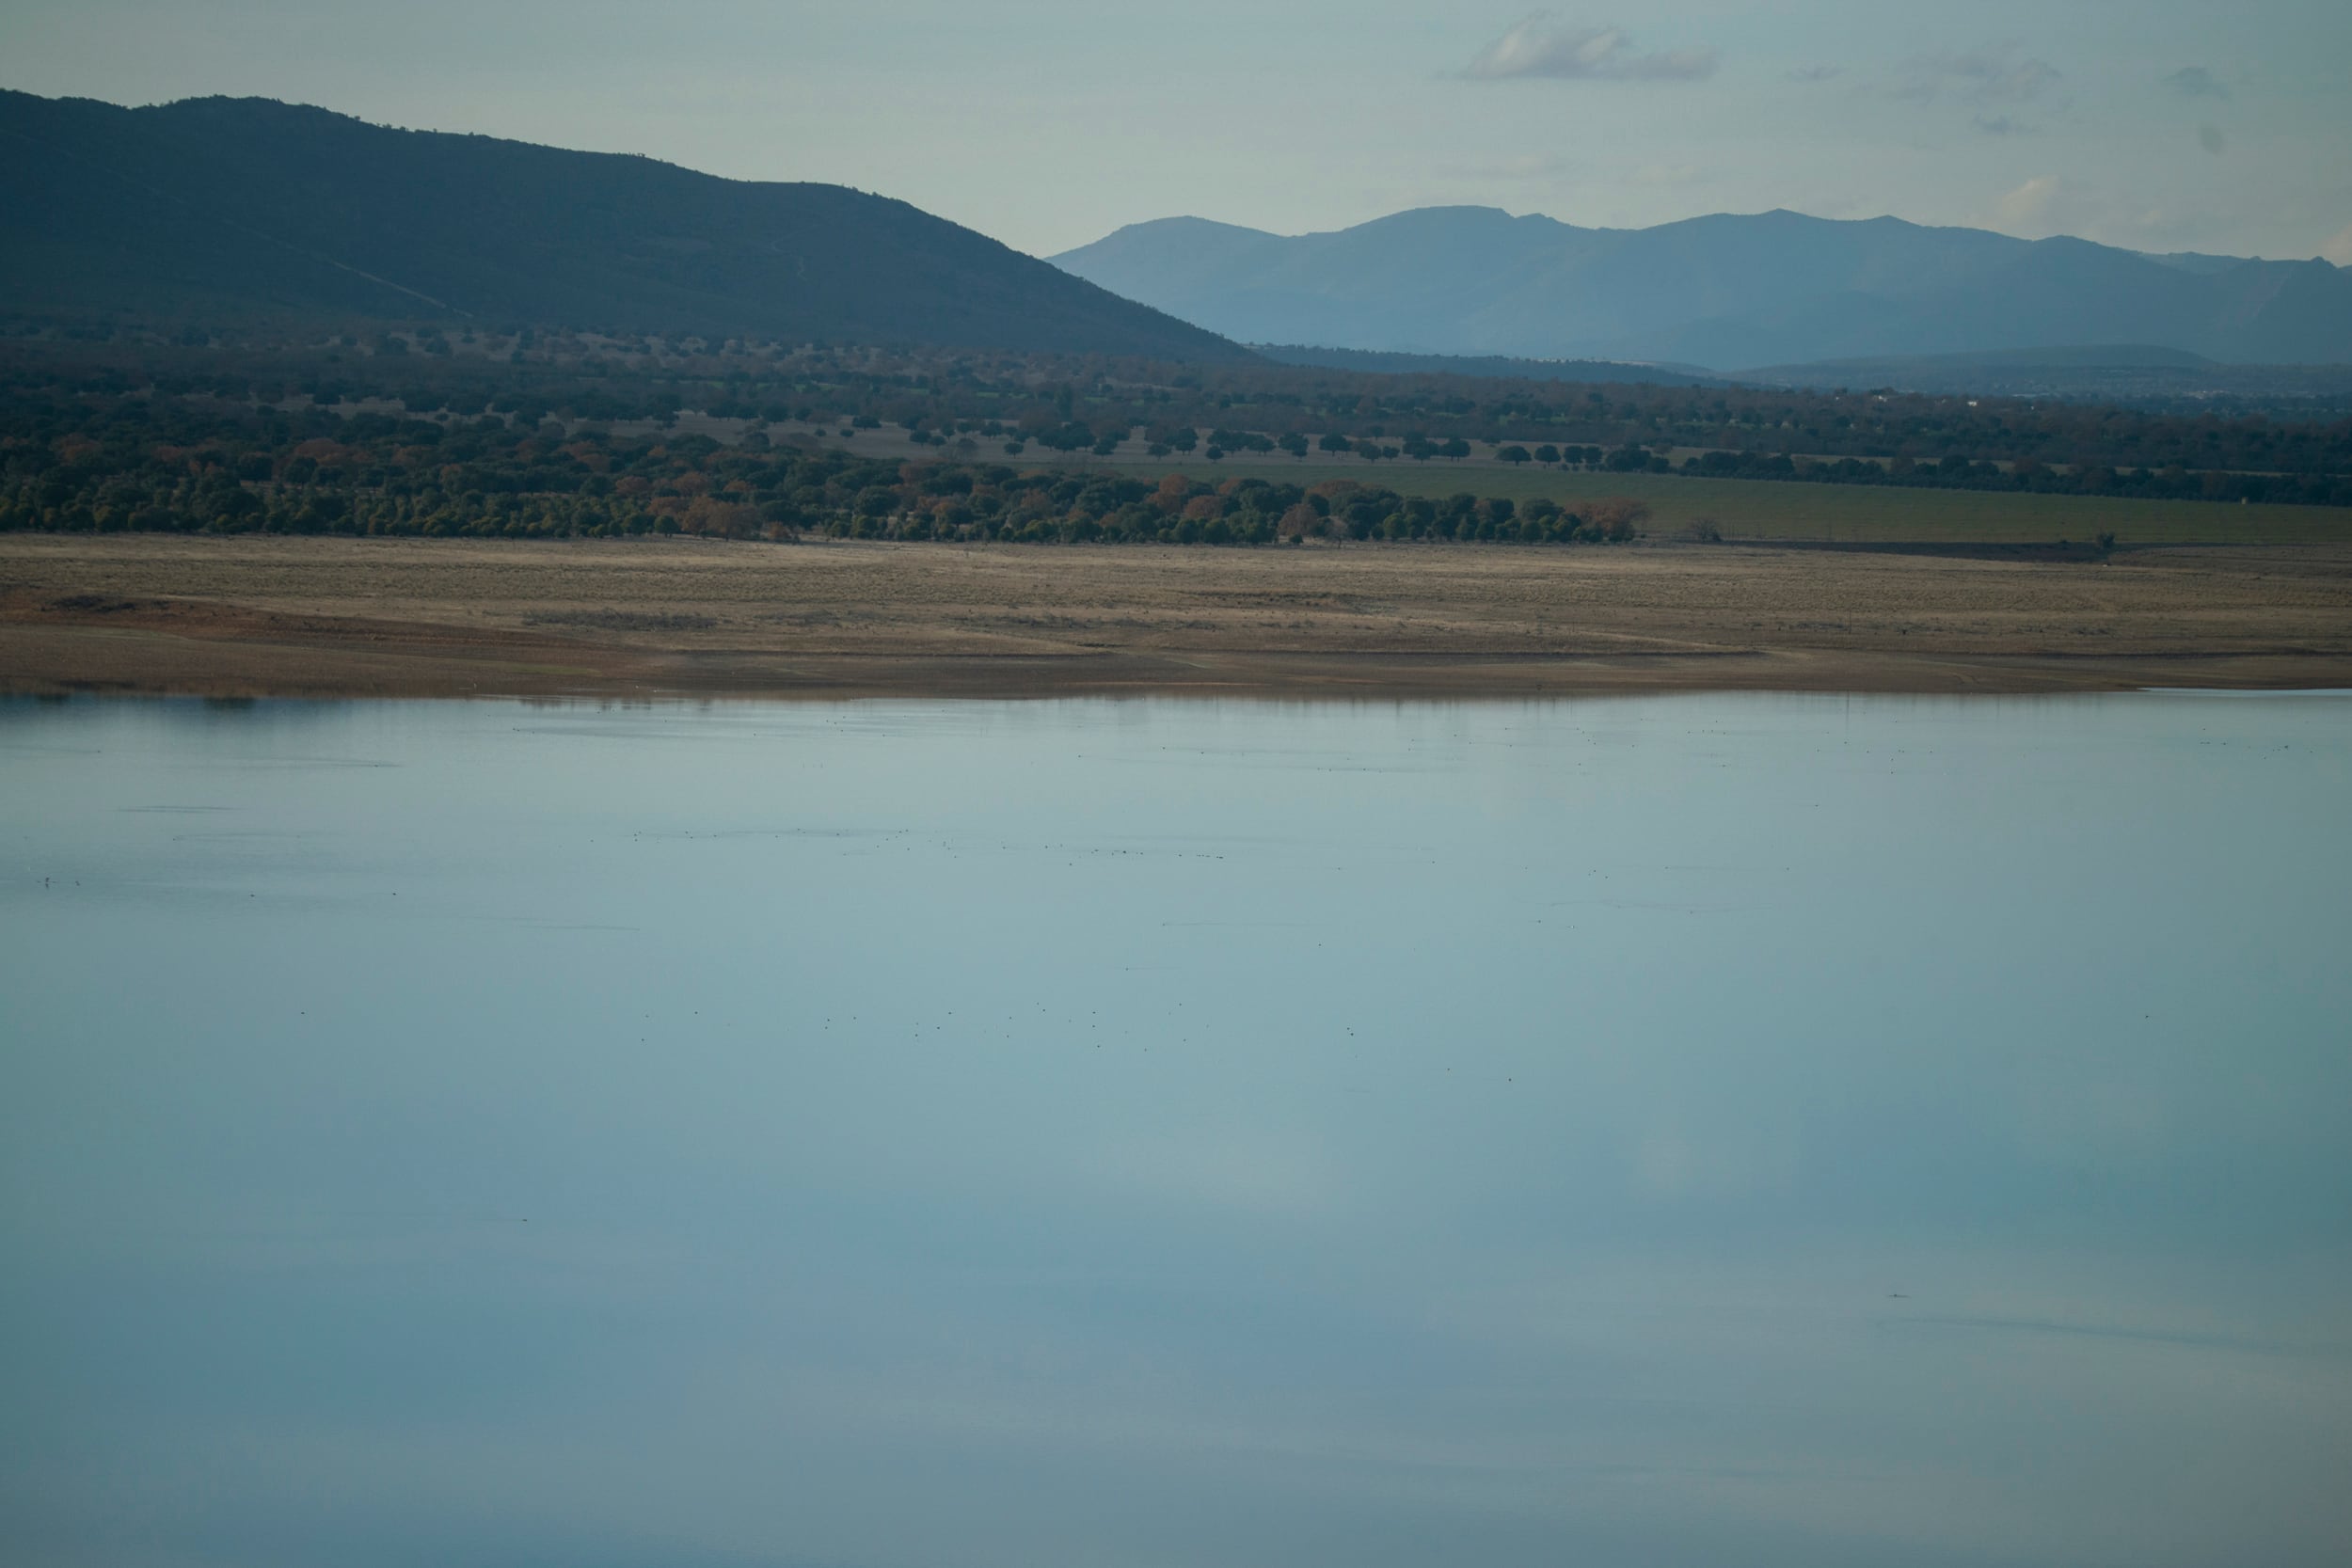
x: 1724, y: 291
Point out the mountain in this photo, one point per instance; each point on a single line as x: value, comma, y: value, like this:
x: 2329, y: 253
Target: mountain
x: 250, y: 207
x: 1769, y: 289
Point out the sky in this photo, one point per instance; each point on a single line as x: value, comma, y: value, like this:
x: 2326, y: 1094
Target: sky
x: 2156, y: 124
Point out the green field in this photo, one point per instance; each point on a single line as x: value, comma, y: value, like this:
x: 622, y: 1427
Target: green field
x: 1762, y: 510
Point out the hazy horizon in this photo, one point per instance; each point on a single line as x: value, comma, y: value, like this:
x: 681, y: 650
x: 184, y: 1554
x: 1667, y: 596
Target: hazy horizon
x: 1293, y: 232
x: 1662, y: 223
x: 2158, y: 127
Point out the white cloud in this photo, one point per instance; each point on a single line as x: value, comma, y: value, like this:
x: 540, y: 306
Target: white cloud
x: 2195, y: 81
x: 2046, y: 204
x: 1995, y: 73
x: 2028, y: 203
x: 2339, y: 250
x: 1540, y: 47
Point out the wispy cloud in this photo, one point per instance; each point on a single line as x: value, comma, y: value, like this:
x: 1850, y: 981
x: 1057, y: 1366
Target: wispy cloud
x: 2195, y: 81
x: 1666, y: 175
x: 2213, y: 140
x: 1529, y: 165
x: 1541, y: 47
x: 1817, y: 72
x: 2339, y: 250
x: 2003, y: 125
x: 1995, y: 73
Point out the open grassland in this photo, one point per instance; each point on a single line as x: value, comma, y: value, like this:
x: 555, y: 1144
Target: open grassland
x: 1754, y: 509
x: 327, y: 616
x: 1777, y: 510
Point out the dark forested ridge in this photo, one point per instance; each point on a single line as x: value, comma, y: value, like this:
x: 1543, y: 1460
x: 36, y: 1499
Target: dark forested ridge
x: 1725, y: 290
x: 240, y: 209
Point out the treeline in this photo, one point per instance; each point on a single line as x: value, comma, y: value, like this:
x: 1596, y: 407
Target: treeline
x: 163, y: 464
x: 2027, y: 476
x: 1049, y: 399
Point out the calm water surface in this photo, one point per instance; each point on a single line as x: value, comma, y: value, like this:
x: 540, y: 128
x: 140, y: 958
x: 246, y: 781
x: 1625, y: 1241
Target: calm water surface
x: 1703, y: 1131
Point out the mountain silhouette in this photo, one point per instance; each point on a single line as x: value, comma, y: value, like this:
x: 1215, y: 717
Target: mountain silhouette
x: 223, y: 207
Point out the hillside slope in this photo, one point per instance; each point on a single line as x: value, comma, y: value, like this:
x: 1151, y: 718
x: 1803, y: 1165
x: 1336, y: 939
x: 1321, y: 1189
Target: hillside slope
x: 1766, y: 289
x: 244, y: 206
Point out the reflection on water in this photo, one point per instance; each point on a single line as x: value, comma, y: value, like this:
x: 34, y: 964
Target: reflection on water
x: 1685, y: 1132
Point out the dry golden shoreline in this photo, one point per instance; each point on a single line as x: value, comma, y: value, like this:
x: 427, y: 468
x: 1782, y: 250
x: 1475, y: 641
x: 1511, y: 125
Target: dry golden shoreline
x: 624, y: 619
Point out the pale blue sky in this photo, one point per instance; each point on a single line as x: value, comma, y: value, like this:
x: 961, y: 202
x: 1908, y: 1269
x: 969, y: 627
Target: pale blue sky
x: 2162, y: 124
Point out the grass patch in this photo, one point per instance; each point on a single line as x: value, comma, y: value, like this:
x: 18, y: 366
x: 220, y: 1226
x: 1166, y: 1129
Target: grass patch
x: 1764, y: 511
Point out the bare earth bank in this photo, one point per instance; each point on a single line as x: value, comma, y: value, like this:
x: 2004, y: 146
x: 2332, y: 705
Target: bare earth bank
x: 369, y: 617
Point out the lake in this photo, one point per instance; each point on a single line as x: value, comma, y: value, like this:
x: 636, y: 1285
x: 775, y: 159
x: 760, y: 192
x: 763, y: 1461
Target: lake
x: 1692, y: 1131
